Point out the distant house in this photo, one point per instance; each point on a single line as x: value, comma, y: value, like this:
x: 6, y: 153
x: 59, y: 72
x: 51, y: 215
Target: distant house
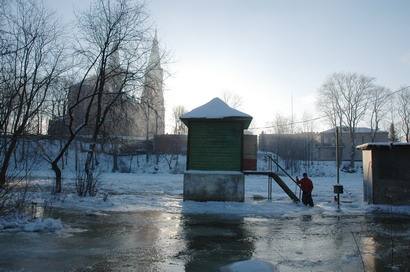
x: 318, y: 146
x: 297, y: 146
x: 325, y: 148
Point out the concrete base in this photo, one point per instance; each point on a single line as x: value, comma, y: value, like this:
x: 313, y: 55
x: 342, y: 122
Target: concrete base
x: 214, y: 186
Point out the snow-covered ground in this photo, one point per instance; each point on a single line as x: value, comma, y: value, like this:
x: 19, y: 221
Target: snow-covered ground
x: 158, y: 186
x: 162, y: 191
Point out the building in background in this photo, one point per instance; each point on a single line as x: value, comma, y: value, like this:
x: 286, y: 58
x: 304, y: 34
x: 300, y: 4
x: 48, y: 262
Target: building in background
x: 325, y: 147
x: 136, y: 118
x: 311, y: 146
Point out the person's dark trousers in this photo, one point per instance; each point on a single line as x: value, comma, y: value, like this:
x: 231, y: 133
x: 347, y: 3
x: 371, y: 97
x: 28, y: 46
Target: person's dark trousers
x: 307, y: 199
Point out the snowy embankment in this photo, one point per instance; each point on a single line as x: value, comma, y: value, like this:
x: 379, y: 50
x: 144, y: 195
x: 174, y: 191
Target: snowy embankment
x: 158, y: 190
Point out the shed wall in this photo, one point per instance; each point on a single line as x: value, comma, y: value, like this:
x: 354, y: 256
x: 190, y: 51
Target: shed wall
x: 391, y: 176
x: 250, y: 150
x: 215, y: 145
x: 367, y: 176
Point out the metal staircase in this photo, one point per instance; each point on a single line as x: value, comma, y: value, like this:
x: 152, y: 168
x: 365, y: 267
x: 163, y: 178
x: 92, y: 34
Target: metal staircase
x: 272, y: 175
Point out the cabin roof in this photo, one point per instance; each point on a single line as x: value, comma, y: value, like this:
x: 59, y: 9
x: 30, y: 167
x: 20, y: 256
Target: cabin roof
x: 216, y: 109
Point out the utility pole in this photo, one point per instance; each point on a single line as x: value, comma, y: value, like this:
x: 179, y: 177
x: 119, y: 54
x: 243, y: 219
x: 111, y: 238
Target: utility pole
x: 337, y: 189
x: 291, y: 109
x: 337, y: 157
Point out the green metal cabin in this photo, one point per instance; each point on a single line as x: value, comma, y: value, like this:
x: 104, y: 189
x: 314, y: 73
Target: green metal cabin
x: 215, y: 137
x: 215, y: 153
x: 215, y: 145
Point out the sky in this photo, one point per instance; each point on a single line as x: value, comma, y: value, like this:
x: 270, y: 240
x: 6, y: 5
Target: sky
x: 271, y: 53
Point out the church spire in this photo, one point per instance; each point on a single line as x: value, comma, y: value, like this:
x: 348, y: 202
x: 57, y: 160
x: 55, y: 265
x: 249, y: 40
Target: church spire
x: 152, y: 94
x: 155, y: 58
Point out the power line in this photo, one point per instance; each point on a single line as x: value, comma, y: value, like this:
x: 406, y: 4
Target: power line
x: 318, y: 117
x: 290, y: 123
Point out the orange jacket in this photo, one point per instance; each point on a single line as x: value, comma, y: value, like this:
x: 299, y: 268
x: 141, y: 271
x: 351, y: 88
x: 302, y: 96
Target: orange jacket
x: 306, y: 185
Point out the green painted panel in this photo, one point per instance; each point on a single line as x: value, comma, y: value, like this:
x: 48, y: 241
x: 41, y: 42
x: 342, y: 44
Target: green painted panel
x: 215, y: 145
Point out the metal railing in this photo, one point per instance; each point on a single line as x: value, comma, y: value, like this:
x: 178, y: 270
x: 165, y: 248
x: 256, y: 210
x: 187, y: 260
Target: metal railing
x: 271, y: 159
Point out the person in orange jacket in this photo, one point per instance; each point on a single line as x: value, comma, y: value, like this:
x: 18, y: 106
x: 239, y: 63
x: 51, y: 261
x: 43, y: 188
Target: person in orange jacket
x: 307, y: 187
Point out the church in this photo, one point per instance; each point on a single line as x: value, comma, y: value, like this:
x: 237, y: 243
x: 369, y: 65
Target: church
x: 139, y: 118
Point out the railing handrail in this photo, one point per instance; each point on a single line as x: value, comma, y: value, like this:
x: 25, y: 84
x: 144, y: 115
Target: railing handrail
x: 281, y: 168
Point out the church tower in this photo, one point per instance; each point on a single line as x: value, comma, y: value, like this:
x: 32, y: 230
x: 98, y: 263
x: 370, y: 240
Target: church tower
x: 152, y: 97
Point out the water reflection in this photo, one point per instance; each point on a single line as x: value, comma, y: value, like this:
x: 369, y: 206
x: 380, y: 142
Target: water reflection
x: 159, y: 241
x: 385, y: 246
x: 213, y: 241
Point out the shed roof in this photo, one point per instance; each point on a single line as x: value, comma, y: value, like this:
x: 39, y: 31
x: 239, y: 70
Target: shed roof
x: 216, y: 109
x: 385, y: 146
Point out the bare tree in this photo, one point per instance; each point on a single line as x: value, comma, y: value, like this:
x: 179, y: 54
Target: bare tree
x: 114, y: 38
x: 282, y: 127
x: 56, y: 104
x: 328, y: 103
x: 392, y: 133
x: 379, y: 99
x: 72, y: 123
x: 344, y: 97
x: 179, y: 127
x: 308, y: 136
x: 232, y: 99
x: 281, y: 124
x: 403, y: 111
x: 29, y: 65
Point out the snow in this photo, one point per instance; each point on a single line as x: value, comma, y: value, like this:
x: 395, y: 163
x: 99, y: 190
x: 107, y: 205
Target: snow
x: 383, y: 145
x: 249, y: 265
x: 215, y: 109
x: 155, y: 187
x: 122, y: 192
x: 46, y: 224
x: 25, y: 224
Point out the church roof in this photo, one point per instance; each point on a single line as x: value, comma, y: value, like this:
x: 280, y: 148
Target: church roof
x: 216, y: 109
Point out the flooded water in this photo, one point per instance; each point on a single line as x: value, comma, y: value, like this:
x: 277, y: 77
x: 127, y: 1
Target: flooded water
x: 160, y: 241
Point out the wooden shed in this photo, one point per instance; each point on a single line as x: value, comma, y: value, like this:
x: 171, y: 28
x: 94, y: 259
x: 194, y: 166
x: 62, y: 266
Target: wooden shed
x: 386, y: 173
x: 215, y: 152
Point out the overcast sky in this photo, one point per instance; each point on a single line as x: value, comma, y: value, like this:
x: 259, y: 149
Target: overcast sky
x: 268, y: 51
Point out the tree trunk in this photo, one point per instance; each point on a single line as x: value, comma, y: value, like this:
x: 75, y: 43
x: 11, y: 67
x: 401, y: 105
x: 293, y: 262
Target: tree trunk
x: 6, y: 160
x: 89, y: 169
x: 115, y: 160
x: 130, y: 168
x: 57, y: 172
x: 62, y: 157
x: 76, y: 157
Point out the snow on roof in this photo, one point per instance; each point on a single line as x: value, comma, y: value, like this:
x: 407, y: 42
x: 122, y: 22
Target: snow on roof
x: 384, y: 145
x: 215, y: 109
